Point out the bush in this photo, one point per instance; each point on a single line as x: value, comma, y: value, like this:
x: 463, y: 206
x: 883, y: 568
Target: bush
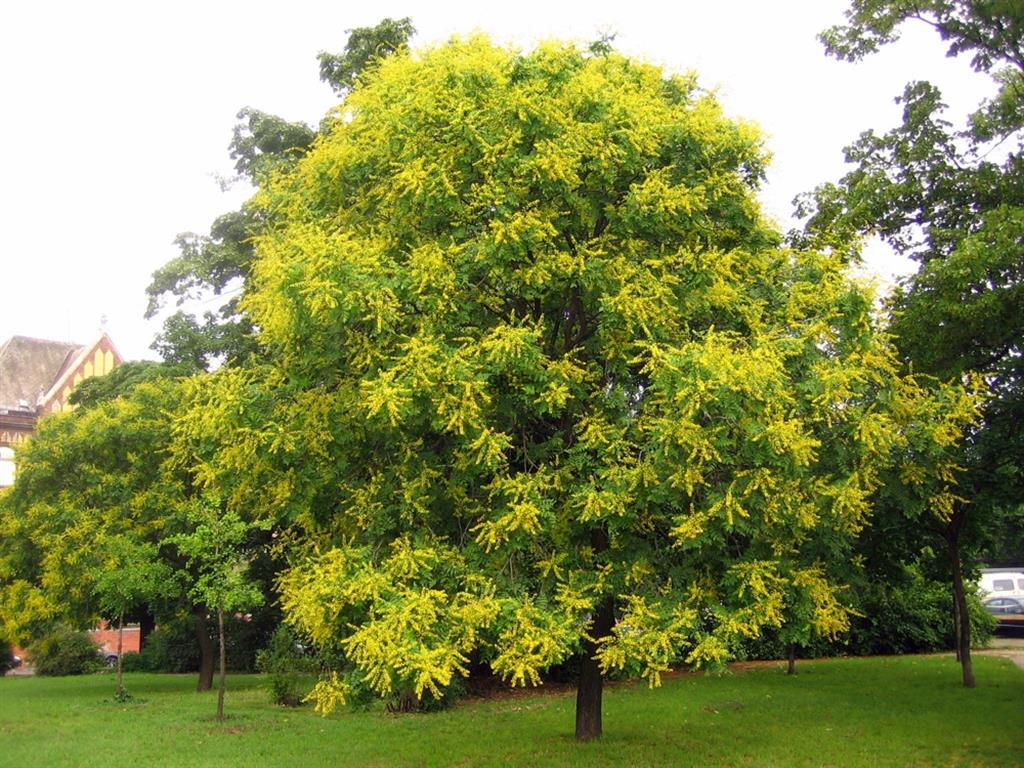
x: 913, y: 616
x: 403, y: 701
x: 6, y: 659
x: 286, y: 666
x: 910, y: 614
x: 170, y: 648
x: 133, y: 662
x: 450, y: 695
x: 983, y: 623
x: 243, y: 640
x: 65, y: 651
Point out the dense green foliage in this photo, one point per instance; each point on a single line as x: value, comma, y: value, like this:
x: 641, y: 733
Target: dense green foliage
x: 903, y: 613
x: 65, y: 651
x: 850, y: 713
x: 93, y: 486
x: 172, y: 647
x: 286, y: 666
x: 912, y: 615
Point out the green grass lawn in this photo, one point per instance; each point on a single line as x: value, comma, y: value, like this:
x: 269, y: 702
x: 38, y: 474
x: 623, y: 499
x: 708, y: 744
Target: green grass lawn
x: 907, y: 711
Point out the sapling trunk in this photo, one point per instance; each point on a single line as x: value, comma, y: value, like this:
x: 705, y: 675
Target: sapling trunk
x: 220, y: 686
x: 120, y: 654
x: 791, y: 667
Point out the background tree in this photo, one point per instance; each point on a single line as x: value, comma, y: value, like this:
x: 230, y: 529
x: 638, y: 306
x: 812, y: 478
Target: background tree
x: 215, y: 546
x: 122, y: 380
x: 81, y: 478
x: 132, y: 575
x: 365, y: 48
x: 538, y: 379
x: 88, y: 482
x: 953, y: 200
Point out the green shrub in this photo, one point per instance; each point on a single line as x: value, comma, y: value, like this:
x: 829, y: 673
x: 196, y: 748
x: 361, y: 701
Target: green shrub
x: 243, y: 640
x: 6, y: 659
x: 172, y: 647
x: 450, y: 695
x: 903, y: 618
x: 983, y: 623
x: 65, y: 651
x: 134, y: 662
x: 286, y: 666
x: 360, y: 697
x: 909, y: 614
x: 913, y: 616
x: 406, y: 701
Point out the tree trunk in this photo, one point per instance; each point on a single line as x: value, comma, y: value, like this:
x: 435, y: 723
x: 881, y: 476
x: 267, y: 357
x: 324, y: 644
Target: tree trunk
x: 220, y: 685
x: 591, y: 685
x: 147, y: 623
x: 120, y: 655
x: 205, y: 650
x: 791, y: 667
x: 956, y: 626
x: 963, y: 633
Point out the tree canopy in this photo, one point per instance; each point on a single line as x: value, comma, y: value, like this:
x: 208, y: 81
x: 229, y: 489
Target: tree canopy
x: 537, y: 378
x: 991, y: 31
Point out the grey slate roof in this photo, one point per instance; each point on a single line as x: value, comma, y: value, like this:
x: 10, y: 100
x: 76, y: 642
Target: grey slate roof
x: 29, y: 367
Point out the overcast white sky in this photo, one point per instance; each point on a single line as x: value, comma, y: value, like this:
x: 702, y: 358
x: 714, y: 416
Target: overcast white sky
x: 115, y: 116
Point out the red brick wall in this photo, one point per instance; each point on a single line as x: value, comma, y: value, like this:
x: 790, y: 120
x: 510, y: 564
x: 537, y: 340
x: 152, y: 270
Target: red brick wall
x: 106, y: 638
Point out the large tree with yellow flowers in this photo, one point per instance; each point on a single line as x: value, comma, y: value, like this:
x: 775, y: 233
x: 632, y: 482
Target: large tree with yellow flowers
x: 543, y: 382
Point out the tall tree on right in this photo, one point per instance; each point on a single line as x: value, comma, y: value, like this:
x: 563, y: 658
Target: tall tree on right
x: 952, y: 199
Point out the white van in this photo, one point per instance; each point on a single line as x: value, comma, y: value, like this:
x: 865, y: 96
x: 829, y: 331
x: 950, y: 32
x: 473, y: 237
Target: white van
x: 1002, y: 582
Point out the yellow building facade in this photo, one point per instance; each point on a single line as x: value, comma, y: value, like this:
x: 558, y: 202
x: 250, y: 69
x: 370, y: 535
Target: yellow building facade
x: 37, y: 377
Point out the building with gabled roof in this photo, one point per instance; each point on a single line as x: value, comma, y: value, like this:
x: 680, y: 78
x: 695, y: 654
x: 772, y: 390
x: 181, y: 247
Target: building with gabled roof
x: 36, y: 379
